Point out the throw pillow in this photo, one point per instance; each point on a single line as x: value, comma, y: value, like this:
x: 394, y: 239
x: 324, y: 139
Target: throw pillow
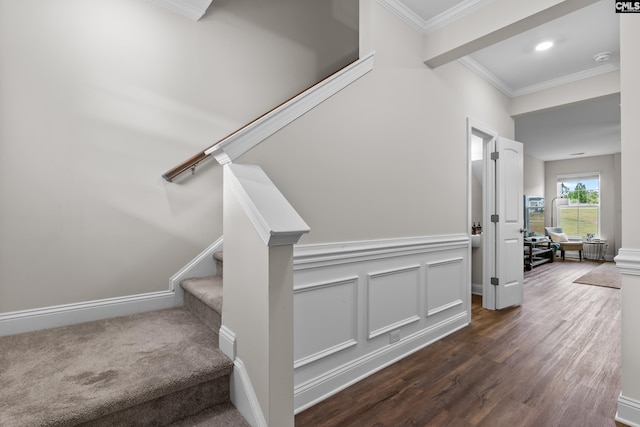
x: 558, y: 237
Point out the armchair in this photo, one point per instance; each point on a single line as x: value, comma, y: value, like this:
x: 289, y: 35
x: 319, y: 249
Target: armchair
x: 559, y: 237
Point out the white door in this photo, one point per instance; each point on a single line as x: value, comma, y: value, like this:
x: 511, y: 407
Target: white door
x: 509, y: 225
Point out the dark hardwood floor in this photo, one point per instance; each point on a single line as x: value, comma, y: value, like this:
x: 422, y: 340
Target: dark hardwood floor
x: 554, y: 361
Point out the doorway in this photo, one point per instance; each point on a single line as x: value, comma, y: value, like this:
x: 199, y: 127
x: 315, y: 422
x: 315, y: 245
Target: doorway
x: 479, y: 138
x: 495, y: 173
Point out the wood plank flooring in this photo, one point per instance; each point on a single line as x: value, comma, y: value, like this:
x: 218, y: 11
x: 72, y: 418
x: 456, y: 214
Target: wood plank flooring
x: 554, y: 361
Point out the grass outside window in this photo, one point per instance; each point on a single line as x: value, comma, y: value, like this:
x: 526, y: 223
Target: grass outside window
x: 578, y: 221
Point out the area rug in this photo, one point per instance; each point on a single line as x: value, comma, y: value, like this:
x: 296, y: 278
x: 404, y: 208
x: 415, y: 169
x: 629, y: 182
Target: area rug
x: 606, y: 274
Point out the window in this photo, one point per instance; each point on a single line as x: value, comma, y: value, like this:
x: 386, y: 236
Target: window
x: 579, y: 214
x: 534, y: 215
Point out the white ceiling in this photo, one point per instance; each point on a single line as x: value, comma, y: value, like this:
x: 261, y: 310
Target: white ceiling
x: 515, y: 68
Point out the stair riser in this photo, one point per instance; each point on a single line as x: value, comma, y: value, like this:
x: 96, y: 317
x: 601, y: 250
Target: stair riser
x: 218, y: 258
x: 169, y: 408
x: 207, y: 316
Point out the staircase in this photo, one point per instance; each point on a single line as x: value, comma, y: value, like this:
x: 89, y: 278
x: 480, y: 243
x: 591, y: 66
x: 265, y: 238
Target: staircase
x: 150, y: 369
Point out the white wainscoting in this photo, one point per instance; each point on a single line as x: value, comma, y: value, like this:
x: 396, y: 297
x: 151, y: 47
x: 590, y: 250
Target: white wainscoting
x: 393, y: 299
x: 628, y: 411
x: 361, y: 306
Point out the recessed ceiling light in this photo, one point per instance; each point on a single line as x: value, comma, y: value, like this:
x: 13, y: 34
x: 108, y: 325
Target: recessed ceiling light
x: 577, y: 154
x: 544, y: 46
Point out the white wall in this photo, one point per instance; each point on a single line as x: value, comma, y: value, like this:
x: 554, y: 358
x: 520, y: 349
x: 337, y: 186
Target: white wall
x: 387, y: 157
x: 609, y: 177
x: 534, y: 176
x: 100, y: 98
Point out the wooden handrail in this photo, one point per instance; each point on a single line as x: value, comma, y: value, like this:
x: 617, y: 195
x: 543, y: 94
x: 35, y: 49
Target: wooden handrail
x: 192, y: 162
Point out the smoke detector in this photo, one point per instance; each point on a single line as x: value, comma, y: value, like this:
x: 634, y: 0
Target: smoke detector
x: 602, y: 56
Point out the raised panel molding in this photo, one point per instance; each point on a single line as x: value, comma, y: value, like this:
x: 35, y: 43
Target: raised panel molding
x: 445, y: 282
x: 393, y: 299
x: 325, y: 319
x: 309, y: 393
x: 393, y: 281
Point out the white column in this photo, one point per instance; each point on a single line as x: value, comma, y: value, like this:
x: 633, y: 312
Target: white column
x: 628, y: 258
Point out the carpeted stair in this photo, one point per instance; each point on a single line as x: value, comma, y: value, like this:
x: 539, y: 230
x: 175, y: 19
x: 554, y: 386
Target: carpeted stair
x: 203, y: 297
x: 150, y: 369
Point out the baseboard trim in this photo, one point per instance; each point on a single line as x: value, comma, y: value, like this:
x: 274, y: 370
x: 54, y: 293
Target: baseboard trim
x: 17, y: 322
x: 201, y: 266
x: 244, y: 397
x: 330, y: 383
x: 628, y: 411
x: 227, y: 343
x: 476, y: 288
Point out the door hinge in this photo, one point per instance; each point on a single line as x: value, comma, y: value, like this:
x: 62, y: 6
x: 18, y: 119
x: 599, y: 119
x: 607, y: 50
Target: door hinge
x: 495, y: 155
x: 495, y: 281
x: 495, y: 218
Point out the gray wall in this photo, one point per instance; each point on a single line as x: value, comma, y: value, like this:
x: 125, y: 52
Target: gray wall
x: 100, y: 97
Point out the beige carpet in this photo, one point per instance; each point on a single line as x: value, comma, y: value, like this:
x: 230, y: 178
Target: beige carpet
x: 76, y: 374
x: 606, y: 274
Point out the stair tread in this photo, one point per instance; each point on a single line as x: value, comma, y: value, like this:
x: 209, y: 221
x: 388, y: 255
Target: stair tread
x: 206, y: 289
x: 224, y: 415
x: 77, y: 373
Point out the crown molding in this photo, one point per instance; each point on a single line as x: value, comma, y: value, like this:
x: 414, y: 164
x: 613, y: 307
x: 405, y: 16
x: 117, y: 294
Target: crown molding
x: 486, y: 75
x: 407, y: 15
x: 496, y: 82
x: 457, y: 11
x: 454, y: 13
x: 191, y: 9
x: 569, y: 78
x: 398, y: 8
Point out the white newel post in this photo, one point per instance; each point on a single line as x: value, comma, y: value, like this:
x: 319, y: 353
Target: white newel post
x: 260, y: 229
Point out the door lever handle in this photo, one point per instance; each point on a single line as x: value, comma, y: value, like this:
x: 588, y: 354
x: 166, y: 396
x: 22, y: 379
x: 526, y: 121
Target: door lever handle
x: 523, y: 230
